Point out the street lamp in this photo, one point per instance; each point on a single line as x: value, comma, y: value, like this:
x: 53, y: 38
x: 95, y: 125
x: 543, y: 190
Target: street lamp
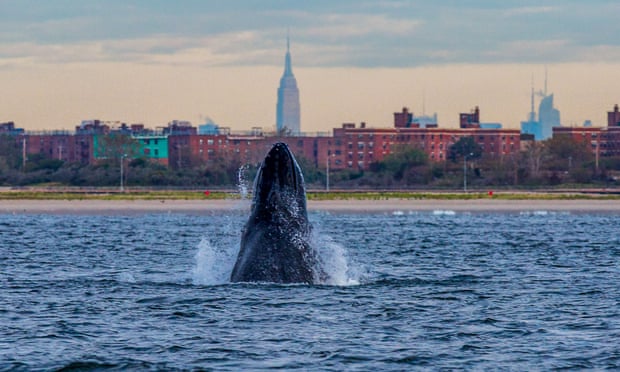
x: 123, y: 156
x: 465, y: 170
x: 327, y: 170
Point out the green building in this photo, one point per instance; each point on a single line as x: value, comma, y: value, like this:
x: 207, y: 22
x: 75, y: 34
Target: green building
x: 152, y: 147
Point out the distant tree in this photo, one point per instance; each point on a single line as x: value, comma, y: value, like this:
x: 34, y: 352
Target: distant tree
x: 116, y: 145
x: 39, y: 162
x: 312, y: 174
x: 284, y: 132
x: 534, y: 157
x: 565, y: 153
x: 405, y: 165
x: 465, y: 146
x: 10, y: 152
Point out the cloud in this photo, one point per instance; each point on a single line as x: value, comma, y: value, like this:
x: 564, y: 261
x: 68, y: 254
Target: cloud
x: 324, y: 33
x: 528, y: 10
x: 343, y: 26
x: 542, y: 50
x: 236, y: 48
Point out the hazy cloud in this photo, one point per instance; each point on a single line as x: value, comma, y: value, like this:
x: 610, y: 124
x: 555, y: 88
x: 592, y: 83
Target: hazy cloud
x: 324, y: 33
x: 528, y: 10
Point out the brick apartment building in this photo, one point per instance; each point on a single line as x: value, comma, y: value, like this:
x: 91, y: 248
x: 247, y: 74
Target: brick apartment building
x: 351, y: 146
x: 604, y: 141
x: 71, y: 148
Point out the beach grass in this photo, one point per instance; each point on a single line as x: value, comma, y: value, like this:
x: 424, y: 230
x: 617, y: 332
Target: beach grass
x: 140, y: 195
x: 316, y: 196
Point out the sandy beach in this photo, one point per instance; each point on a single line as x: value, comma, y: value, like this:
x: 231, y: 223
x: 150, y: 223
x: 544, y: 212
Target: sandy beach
x: 343, y: 206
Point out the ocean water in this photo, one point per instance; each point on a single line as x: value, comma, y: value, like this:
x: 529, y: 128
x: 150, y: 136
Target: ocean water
x: 436, y: 290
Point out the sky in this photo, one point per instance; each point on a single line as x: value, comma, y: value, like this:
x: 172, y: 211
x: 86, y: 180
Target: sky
x: 153, y: 61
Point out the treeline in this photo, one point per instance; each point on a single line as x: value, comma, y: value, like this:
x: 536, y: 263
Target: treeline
x: 557, y: 161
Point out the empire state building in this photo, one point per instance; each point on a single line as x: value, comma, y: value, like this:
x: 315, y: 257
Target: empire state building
x: 287, y: 111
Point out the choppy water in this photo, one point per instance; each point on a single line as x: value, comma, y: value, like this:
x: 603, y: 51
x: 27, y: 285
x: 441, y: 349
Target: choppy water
x: 428, y: 291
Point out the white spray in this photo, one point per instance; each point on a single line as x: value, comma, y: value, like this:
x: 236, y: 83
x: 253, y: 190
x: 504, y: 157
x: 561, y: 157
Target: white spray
x: 216, y: 256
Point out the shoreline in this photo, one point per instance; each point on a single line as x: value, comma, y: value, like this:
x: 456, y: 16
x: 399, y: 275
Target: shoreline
x: 337, y: 206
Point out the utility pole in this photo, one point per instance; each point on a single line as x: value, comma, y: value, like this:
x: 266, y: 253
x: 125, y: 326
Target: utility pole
x: 24, y: 153
x: 597, y: 154
x: 122, y: 160
x: 465, y: 171
x: 327, y: 173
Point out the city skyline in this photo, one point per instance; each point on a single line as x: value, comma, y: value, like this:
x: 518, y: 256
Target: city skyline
x: 153, y: 62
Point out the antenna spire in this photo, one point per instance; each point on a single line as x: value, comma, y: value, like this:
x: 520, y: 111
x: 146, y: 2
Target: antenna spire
x: 545, y: 80
x: 288, y: 69
x: 532, y: 112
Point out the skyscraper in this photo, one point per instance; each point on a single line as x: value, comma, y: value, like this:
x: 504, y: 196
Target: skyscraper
x: 287, y: 110
x: 548, y: 116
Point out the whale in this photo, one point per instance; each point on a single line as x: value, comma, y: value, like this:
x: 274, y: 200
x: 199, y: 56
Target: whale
x: 275, y: 242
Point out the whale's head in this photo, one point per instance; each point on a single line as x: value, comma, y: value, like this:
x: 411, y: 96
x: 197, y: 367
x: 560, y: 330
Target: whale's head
x: 276, y: 240
x: 279, y: 183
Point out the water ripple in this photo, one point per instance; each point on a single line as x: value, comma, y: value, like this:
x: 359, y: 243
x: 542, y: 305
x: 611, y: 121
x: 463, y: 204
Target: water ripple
x: 430, y: 291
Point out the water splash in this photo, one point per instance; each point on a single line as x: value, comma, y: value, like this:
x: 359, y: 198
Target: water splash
x: 214, y: 263
x: 334, y: 261
x: 126, y: 277
x: 242, y: 182
x: 216, y: 256
x: 440, y: 212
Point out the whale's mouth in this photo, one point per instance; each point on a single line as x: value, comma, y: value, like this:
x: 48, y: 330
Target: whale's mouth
x: 280, y: 169
x: 279, y: 181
